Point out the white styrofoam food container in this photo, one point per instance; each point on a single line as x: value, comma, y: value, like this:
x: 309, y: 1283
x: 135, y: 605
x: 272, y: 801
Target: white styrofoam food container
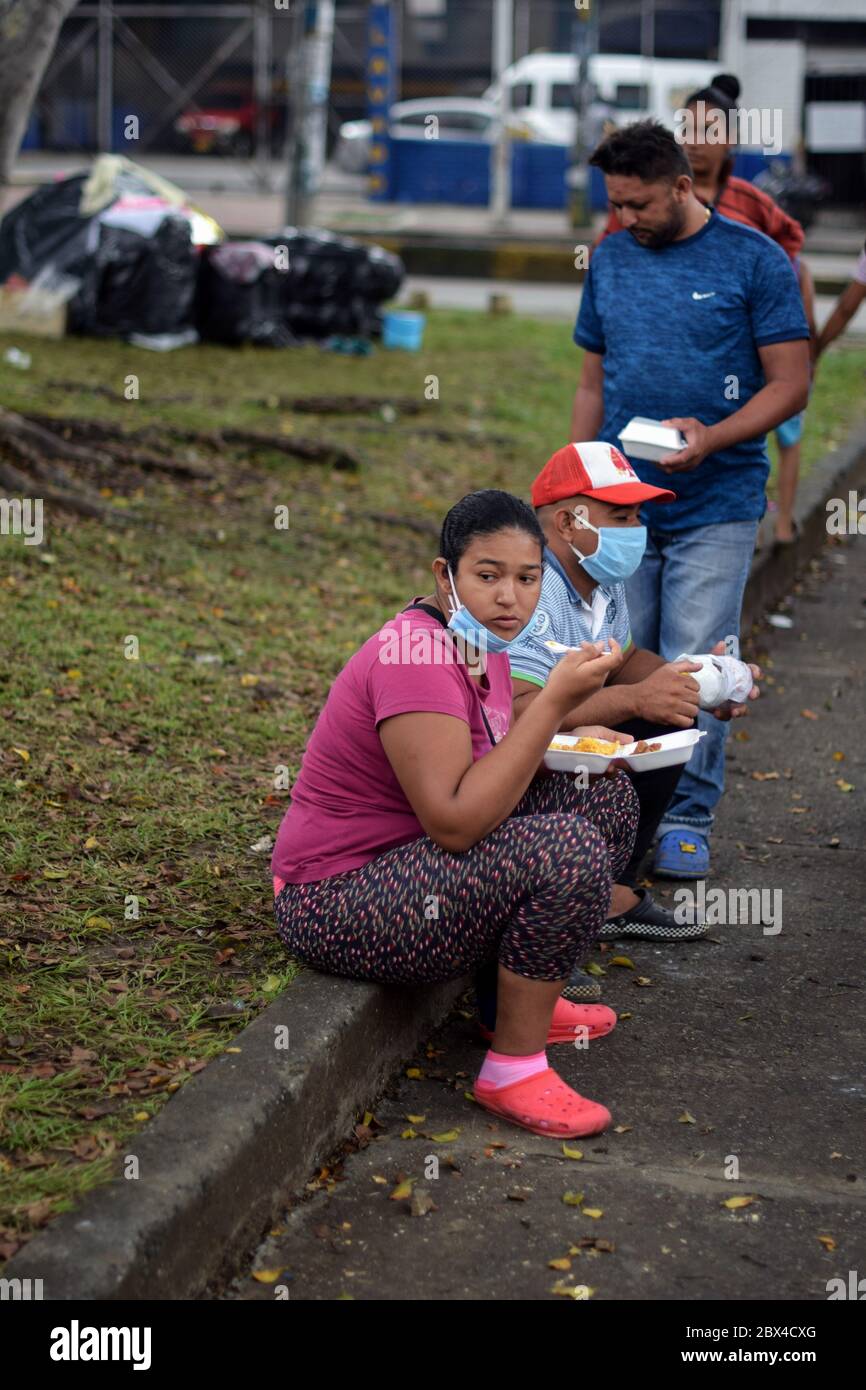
x: 561, y: 760
x: 647, y: 439
x: 675, y: 748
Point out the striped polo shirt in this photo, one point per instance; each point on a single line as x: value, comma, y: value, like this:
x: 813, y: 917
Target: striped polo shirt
x: 563, y: 615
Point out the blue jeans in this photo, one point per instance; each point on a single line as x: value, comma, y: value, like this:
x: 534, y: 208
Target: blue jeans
x: 687, y: 595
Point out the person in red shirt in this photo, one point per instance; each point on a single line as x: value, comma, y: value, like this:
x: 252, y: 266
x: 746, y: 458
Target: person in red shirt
x: 717, y: 187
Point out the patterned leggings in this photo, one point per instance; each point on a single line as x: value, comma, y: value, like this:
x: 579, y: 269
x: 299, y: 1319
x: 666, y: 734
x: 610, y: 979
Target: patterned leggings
x: 534, y: 893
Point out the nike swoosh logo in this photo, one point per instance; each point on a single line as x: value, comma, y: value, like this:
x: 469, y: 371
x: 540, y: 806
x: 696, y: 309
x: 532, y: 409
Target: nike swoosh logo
x: 708, y: 295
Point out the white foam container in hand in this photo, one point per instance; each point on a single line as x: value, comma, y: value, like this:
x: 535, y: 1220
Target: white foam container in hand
x: 560, y: 760
x: 675, y: 748
x: 648, y: 439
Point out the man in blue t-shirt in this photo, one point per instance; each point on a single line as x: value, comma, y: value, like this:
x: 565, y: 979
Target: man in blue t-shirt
x: 688, y: 318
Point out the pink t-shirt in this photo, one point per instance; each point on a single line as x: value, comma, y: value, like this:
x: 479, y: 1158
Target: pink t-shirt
x: 347, y: 805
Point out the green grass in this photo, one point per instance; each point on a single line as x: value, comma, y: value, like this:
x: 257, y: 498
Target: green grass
x: 149, y: 780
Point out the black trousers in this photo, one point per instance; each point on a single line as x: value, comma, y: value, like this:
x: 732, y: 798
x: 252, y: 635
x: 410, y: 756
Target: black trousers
x: 654, y: 791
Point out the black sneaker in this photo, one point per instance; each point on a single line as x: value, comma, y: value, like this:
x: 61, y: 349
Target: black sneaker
x: 582, y: 988
x: 650, y: 921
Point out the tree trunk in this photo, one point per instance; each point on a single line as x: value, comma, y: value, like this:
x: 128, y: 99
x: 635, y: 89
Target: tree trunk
x: 28, y: 34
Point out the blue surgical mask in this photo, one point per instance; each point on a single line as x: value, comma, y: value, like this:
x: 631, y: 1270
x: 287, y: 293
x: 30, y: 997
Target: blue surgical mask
x: 619, y: 551
x: 474, y: 633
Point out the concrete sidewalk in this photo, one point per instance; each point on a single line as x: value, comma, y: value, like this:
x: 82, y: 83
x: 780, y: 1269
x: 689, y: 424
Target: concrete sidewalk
x: 742, y: 1053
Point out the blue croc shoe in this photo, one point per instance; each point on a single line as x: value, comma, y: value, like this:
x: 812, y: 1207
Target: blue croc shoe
x: 682, y: 854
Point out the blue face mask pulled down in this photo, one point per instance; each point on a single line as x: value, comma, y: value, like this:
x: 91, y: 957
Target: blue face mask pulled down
x: 619, y: 551
x: 474, y: 633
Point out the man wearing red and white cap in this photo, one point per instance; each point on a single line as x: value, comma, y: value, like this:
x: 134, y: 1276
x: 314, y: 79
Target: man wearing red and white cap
x: 588, y: 498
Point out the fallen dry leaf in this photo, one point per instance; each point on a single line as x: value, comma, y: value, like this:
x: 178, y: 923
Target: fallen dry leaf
x: 737, y: 1203
x: 594, y: 1212
x: 624, y: 962
x: 572, y: 1199
x: 268, y: 1276
x: 421, y: 1203
x: 562, y: 1263
x: 686, y: 1119
x: 828, y: 1242
x: 571, y: 1153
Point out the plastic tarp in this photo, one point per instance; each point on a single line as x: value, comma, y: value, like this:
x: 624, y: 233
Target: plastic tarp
x: 118, y: 244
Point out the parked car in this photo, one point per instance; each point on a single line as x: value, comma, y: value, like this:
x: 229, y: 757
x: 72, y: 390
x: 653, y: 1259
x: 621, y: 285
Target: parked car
x: 627, y: 88
x: 228, y: 126
x: 457, y: 118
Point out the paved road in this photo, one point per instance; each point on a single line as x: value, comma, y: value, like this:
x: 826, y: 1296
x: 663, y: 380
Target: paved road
x: 745, y: 1052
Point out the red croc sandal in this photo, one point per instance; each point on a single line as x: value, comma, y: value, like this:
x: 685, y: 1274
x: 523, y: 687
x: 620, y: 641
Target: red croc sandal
x: 544, y: 1104
x: 569, y: 1020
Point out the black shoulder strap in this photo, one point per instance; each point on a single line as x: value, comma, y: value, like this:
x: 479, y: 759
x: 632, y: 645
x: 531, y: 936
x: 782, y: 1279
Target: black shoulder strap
x: 430, y: 610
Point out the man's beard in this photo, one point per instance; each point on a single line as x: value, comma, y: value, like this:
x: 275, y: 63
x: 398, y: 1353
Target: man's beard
x: 664, y: 235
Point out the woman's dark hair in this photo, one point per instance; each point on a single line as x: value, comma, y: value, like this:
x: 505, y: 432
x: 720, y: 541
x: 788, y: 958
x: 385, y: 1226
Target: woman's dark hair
x: 482, y: 513
x: 644, y: 150
x: 721, y: 95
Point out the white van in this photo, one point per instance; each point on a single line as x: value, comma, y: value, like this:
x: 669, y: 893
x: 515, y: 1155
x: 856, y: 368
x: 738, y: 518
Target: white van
x: 628, y: 88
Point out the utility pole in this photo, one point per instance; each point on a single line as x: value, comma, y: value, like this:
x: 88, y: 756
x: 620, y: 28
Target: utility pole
x: 584, y: 44
x: 503, y: 50
x: 310, y: 82
x: 105, y: 78
x: 262, y: 88
x: 648, y: 29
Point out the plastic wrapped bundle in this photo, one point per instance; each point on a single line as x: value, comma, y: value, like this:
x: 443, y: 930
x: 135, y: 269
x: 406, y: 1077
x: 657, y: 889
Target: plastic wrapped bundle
x: 240, y: 296
x: 292, y: 286
x: 138, y: 284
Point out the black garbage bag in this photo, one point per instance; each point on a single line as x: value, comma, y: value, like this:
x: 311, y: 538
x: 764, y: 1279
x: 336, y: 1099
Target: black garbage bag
x: 240, y: 295
x: 379, y: 276
x: 46, y: 229
x: 138, y: 284
x: 799, y: 195
x: 292, y: 286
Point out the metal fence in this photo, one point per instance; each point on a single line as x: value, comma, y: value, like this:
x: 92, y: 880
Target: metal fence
x: 163, y: 63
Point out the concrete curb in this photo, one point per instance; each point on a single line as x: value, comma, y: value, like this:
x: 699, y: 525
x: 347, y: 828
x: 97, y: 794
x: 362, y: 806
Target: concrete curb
x: 774, y: 570
x: 218, y: 1162
x: 208, y: 1188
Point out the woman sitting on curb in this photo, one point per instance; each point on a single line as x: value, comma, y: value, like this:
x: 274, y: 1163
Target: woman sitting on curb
x: 420, y: 843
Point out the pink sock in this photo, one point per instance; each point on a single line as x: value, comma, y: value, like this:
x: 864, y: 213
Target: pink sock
x: 500, y: 1070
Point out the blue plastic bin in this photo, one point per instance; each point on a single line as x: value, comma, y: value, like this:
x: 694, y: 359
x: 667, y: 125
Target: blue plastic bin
x: 403, y: 329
